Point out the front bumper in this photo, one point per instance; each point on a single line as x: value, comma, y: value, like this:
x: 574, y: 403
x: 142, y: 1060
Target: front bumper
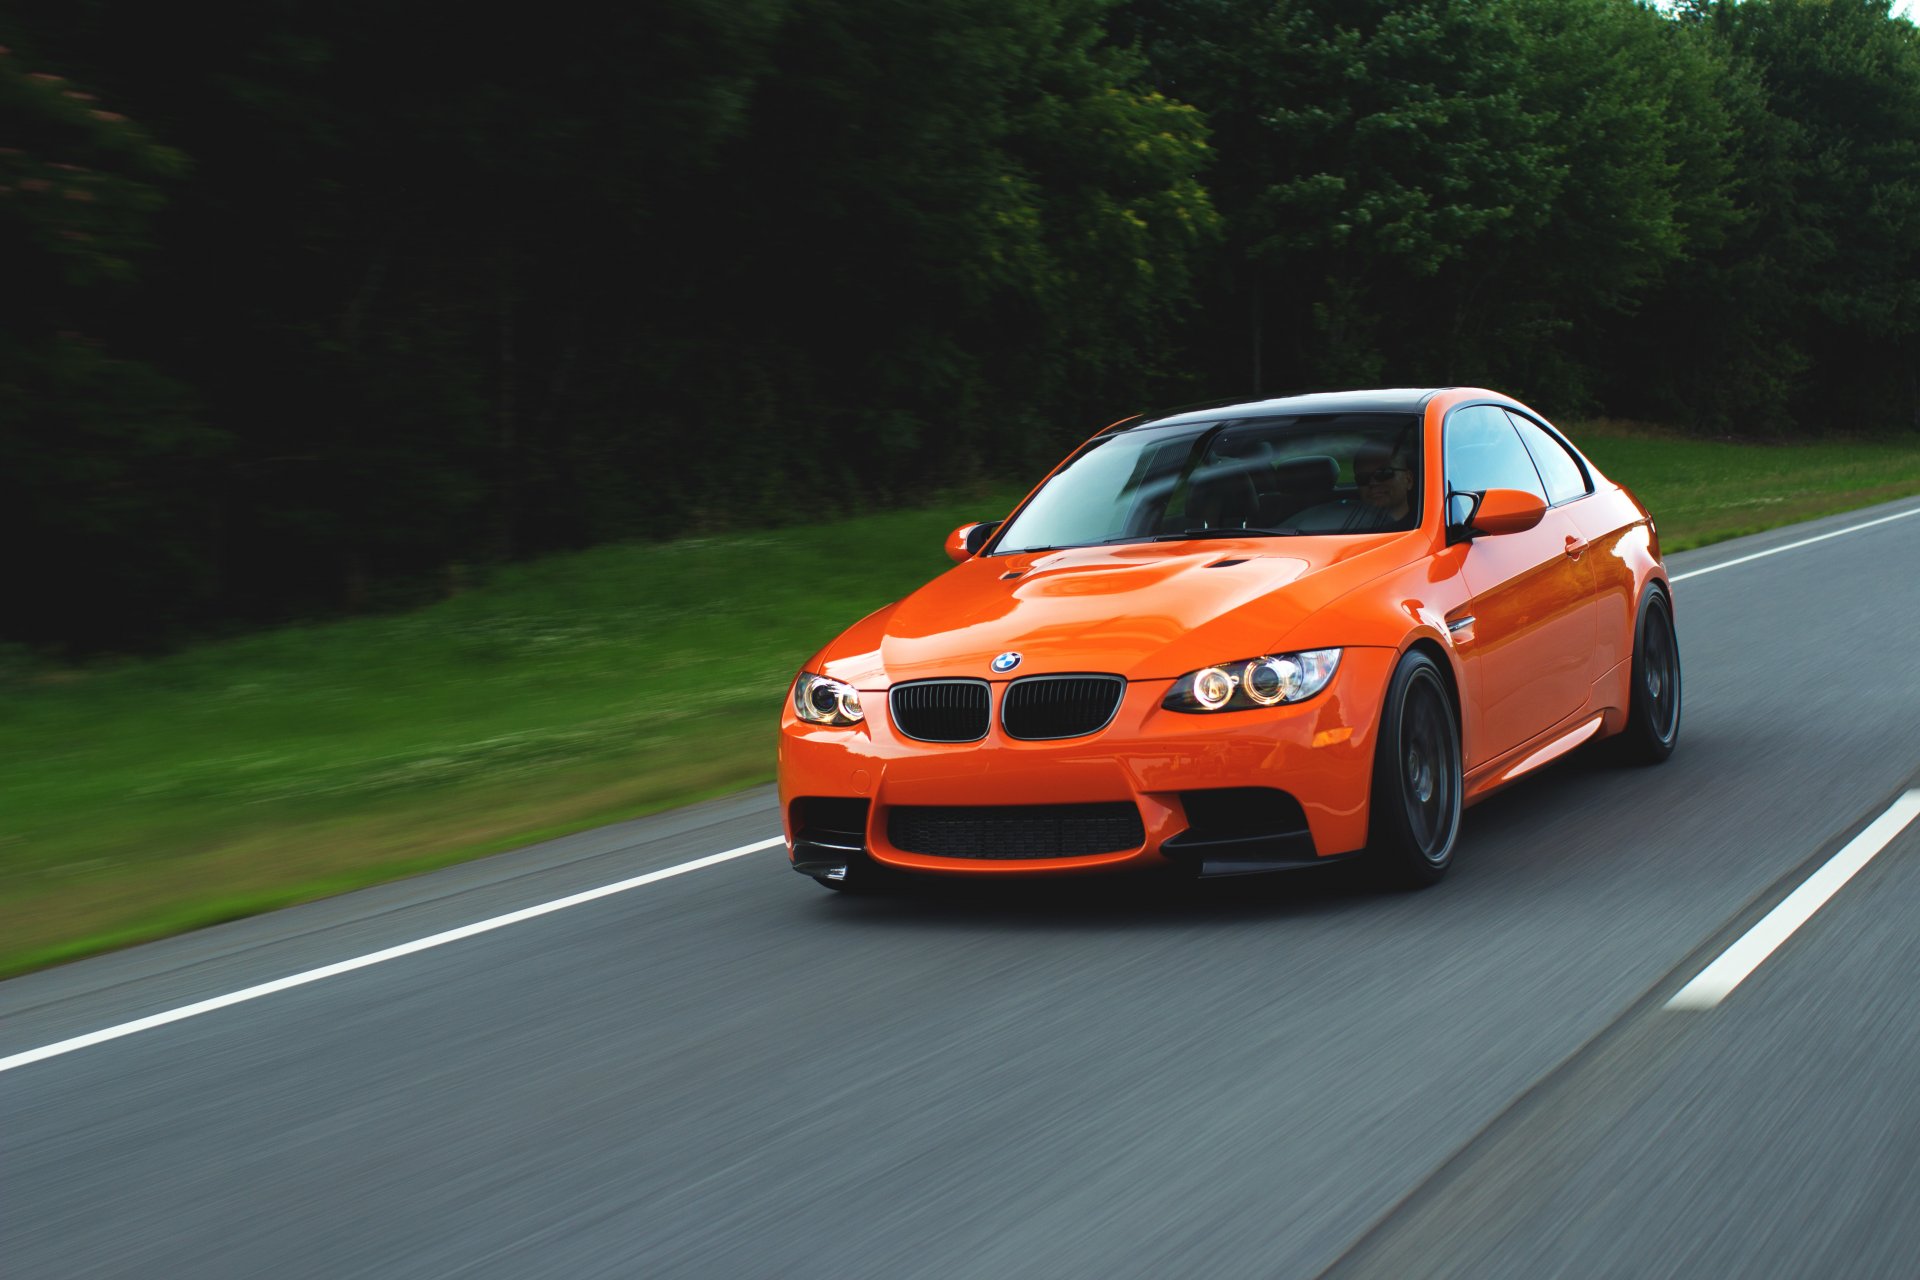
x: 1319, y: 752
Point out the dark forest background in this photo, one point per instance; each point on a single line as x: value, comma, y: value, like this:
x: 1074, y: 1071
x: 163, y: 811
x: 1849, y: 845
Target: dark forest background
x: 317, y: 307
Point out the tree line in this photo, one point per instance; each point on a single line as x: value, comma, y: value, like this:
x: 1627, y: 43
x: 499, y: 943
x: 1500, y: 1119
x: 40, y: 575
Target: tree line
x: 310, y: 307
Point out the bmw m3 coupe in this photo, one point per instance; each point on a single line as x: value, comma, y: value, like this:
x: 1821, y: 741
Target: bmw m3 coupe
x: 1242, y: 638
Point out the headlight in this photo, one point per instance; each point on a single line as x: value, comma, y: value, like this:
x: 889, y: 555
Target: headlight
x: 818, y: 700
x: 1266, y: 681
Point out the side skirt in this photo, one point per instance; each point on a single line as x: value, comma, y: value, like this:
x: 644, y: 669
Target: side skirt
x: 1516, y: 764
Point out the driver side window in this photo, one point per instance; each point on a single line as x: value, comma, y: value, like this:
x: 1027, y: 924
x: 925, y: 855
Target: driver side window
x: 1483, y: 452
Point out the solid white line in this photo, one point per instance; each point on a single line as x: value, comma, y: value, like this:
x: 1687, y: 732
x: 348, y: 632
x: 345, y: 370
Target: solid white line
x: 1743, y: 957
x: 1690, y: 997
x: 374, y: 957
x: 1804, y: 542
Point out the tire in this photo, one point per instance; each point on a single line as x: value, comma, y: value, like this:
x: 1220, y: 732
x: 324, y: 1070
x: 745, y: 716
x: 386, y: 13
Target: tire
x: 1414, y: 819
x: 1653, y: 710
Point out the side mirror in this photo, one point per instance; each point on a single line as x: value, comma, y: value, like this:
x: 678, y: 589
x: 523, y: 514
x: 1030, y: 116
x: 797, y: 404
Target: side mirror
x: 1460, y: 509
x: 1507, y: 511
x: 964, y: 543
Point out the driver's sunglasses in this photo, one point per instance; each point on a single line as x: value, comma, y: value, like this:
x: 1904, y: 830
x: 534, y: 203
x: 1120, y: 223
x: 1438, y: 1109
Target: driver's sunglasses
x: 1380, y: 475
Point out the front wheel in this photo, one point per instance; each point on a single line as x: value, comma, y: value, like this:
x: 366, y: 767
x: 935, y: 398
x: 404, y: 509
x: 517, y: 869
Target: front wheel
x: 1653, y: 710
x: 1415, y: 816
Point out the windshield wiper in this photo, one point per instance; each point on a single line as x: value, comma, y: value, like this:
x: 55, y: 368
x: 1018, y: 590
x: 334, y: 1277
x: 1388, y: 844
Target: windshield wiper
x: 1187, y: 535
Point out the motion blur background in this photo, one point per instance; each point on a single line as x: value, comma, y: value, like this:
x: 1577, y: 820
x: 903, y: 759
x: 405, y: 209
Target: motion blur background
x: 423, y: 433
x: 311, y: 309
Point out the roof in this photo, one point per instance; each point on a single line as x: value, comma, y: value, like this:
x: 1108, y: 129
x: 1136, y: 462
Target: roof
x: 1389, y: 400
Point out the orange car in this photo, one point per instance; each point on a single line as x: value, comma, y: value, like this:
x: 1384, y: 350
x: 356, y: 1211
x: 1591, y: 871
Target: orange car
x: 1242, y: 638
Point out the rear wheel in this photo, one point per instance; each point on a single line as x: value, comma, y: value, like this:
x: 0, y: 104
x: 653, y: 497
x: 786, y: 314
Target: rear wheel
x: 1415, y: 816
x: 1653, y: 710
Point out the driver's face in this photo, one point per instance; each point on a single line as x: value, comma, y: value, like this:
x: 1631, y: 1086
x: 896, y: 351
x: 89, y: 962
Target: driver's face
x: 1384, y: 482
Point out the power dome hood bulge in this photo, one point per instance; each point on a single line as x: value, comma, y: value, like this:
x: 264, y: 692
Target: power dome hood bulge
x: 1145, y: 611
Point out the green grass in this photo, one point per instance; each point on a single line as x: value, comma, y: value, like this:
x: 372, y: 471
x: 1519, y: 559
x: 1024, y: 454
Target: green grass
x: 149, y: 797
x: 1705, y: 491
x: 152, y: 796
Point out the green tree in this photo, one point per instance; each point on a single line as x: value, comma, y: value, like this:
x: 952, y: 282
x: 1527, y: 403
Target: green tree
x: 948, y: 228
x: 475, y: 290
x: 1838, y: 228
x: 1446, y: 191
x: 106, y: 476
x: 1636, y: 177
x: 1363, y: 147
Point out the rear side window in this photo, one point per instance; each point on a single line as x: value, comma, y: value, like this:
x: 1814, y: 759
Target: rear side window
x: 1561, y: 470
x: 1484, y: 452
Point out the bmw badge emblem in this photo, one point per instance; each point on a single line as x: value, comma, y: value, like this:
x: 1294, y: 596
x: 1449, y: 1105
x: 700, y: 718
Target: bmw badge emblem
x: 1006, y: 662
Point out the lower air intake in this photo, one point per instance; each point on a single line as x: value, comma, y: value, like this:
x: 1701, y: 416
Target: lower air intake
x: 1008, y: 833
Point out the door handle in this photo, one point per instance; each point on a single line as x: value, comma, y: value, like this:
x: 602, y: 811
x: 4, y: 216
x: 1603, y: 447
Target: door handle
x: 1575, y: 547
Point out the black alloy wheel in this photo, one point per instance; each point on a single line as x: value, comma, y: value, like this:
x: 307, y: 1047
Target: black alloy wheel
x: 1415, y: 816
x: 1653, y: 711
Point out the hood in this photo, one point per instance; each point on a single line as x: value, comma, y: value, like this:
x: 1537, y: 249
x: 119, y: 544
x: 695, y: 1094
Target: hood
x: 1145, y: 611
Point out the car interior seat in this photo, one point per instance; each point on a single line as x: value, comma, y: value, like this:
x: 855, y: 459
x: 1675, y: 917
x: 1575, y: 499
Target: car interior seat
x: 1220, y: 497
x: 1298, y: 483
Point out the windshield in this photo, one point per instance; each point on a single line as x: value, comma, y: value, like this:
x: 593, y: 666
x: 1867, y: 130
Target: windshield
x: 1280, y: 476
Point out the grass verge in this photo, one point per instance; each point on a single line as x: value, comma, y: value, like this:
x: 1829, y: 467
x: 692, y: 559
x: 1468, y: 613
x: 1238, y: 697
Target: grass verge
x: 149, y: 797
x: 1706, y: 491
x: 146, y: 798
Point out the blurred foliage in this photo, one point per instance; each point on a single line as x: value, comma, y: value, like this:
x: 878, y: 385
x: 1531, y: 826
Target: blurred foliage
x: 106, y: 463
x: 149, y: 795
x: 312, y: 306
x: 1444, y: 191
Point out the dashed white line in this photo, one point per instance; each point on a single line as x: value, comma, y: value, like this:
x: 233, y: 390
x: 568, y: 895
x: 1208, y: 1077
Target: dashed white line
x: 199, y: 1007
x: 1804, y: 542
x: 1713, y: 983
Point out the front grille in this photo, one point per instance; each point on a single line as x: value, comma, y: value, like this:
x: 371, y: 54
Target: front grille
x: 1012, y: 832
x: 941, y: 710
x: 1060, y: 706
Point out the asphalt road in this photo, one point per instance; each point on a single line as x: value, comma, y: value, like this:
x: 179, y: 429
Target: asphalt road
x: 732, y: 1072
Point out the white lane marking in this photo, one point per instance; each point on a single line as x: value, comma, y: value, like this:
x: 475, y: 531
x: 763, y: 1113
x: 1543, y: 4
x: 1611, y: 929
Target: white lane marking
x: 1682, y: 1000
x: 1804, y: 542
x: 374, y: 957
x: 1713, y: 983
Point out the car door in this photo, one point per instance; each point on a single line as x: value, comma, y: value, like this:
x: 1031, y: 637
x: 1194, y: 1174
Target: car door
x: 1527, y: 656
x: 1603, y: 524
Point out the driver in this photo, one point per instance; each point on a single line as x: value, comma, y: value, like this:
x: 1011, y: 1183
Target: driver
x: 1385, y: 495
x: 1386, y: 481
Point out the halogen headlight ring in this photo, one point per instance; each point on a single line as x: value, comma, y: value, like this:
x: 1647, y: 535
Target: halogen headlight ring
x: 1270, y: 680
x: 1213, y: 688
x: 819, y: 700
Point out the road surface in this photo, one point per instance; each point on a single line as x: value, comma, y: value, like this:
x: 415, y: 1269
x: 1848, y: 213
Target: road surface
x: 728, y: 1071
